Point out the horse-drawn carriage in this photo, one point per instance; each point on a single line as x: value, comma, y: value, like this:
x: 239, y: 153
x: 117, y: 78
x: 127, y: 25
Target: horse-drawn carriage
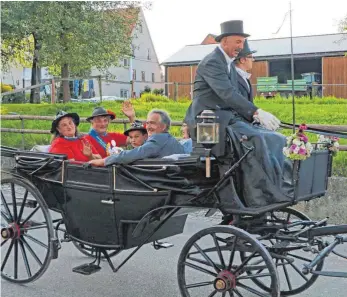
x: 104, y: 211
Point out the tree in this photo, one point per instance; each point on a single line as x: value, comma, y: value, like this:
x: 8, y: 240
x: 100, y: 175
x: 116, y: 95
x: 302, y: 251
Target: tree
x: 70, y: 37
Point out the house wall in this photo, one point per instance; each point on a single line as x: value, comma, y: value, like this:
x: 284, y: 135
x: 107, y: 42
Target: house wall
x: 145, y: 60
x: 334, y: 72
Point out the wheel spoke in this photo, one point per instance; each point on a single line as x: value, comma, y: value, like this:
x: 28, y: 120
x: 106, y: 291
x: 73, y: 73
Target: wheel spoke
x: 197, y: 285
x: 249, y: 289
x: 191, y: 265
x: 213, y: 293
x: 14, y: 202
x: 207, y: 258
x: 287, y: 276
x: 254, y: 276
x: 6, y: 206
x: 36, y: 241
x: 220, y: 255
x: 299, y: 257
x: 31, y: 251
x: 288, y: 217
x: 298, y: 271
x: 25, y: 258
x: 237, y: 293
x: 4, y: 242
x: 7, y: 219
x: 35, y: 227
x: 7, y: 255
x: 22, y: 206
x: 245, y: 262
x: 232, y: 253
x: 30, y: 216
x: 204, y: 262
x: 15, y: 259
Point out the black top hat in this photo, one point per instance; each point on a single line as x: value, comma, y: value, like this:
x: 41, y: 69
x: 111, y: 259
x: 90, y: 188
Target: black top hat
x: 62, y: 114
x: 245, y: 51
x: 136, y: 126
x: 231, y: 28
x: 100, y: 111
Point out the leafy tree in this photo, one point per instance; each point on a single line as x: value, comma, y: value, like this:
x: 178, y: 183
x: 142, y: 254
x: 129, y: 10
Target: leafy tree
x: 70, y: 37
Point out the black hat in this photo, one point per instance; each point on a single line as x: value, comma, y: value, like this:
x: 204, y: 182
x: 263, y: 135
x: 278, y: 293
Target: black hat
x: 245, y: 51
x: 231, y: 28
x: 136, y: 126
x: 100, y: 111
x: 62, y: 114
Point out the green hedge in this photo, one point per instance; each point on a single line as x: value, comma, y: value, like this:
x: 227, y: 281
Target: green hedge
x: 326, y: 110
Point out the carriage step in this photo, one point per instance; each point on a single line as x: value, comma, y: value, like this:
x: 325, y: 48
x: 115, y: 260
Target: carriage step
x: 162, y: 245
x: 330, y: 273
x: 87, y: 269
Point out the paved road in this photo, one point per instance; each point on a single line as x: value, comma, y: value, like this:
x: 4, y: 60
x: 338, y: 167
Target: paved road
x: 150, y: 273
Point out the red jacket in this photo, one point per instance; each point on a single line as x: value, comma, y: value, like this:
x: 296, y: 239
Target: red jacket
x: 119, y: 138
x: 71, y: 148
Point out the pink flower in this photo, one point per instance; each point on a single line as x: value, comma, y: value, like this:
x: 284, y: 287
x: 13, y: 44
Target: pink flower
x: 303, y: 138
x: 292, y: 147
x: 302, y: 151
x: 303, y: 127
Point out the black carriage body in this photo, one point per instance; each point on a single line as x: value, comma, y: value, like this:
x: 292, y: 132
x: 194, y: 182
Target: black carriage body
x: 104, y: 206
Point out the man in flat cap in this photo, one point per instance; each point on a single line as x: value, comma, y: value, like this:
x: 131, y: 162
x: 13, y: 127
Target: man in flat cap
x: 216, y: 88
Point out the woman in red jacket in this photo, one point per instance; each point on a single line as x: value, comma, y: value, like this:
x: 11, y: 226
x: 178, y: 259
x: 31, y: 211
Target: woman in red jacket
x: 67, y: 142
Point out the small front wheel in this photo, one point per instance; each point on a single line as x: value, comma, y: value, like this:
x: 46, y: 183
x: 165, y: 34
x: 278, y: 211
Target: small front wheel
x: 210, y: 264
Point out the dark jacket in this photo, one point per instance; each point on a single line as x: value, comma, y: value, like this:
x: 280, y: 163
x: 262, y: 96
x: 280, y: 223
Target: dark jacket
x: 157, y: 146
x: 244, y: 90
x: 216, y: 88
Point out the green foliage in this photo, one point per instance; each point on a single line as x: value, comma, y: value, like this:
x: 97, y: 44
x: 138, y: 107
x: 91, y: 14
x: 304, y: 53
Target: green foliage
x: 80, y: 34
x: 317, y: 111
x: 158, y: 91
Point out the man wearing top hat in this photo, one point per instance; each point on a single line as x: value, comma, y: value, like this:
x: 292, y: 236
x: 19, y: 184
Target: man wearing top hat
x: 104, y: 141
x: 216, y: 88
x: 244, y: 63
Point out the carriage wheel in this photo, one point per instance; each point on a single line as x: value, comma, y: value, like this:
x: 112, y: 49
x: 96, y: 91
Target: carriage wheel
x: 289, y: 261
x: 210, y: 265
x: 26, y: 231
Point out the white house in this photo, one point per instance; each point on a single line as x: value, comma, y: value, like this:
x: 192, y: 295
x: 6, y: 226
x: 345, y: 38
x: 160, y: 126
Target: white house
x: 143, y: 68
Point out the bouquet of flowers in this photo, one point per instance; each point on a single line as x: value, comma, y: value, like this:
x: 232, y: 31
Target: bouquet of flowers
x: 298, y: 147
x: 330, y: 142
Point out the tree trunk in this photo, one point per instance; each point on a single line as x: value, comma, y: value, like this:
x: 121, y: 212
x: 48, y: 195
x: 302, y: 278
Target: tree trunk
x: 66, y: 85
x: 35, y: 93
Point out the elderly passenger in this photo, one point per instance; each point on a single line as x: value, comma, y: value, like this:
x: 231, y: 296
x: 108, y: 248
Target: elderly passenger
x: 66, y: 140
x: 159, y: 143
x: 98, y: 136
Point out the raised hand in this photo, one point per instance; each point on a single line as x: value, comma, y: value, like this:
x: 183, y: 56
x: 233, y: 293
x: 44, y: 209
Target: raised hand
x: 128, y: 110
x: 87, y: 149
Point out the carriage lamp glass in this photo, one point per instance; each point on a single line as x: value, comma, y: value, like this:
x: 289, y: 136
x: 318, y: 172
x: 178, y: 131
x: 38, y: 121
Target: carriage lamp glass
x: 208, y: 129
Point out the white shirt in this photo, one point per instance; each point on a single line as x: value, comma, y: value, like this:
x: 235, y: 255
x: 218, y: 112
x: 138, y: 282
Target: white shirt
x: 245, y: 75
x: 227, y: 58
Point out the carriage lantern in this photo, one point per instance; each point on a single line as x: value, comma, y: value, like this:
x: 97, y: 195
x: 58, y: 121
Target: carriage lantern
x: 208, y: 135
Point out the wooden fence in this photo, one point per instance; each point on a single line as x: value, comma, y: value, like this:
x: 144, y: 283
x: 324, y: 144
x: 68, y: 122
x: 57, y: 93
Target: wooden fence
x: 22, y: 118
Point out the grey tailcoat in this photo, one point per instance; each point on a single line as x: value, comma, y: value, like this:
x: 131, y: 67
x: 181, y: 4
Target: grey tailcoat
x: 156, y: 146
x: 216, y: 88
x: 246, y: 91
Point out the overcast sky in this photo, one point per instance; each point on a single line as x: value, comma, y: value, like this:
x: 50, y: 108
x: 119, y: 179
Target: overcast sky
x: 176, y: 23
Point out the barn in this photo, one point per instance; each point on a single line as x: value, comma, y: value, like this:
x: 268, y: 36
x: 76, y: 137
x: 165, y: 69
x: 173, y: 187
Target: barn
x: 321, y: 54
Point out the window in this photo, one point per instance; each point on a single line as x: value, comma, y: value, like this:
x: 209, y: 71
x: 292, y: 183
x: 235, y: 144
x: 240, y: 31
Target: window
x: 148, y: 54
x: 124, y: 93
x: 140, y: 28
x: 126, y: 62
x: 133, y: 50
x: 143, y: 76
x: 153, y: 78
x: 134, y: 74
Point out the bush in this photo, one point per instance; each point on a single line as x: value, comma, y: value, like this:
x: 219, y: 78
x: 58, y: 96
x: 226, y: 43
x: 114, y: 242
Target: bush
x: 158, y: 91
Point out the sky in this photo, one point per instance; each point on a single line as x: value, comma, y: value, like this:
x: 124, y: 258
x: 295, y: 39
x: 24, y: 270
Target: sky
x: 176, y: 23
